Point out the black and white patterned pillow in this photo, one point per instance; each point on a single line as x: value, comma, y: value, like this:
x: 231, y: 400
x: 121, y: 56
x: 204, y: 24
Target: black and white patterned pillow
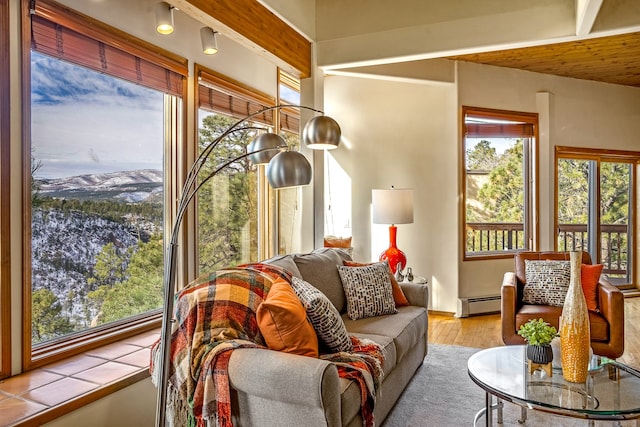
x: 547, y: 282
x: 324, y: 317
x: 368, y: 290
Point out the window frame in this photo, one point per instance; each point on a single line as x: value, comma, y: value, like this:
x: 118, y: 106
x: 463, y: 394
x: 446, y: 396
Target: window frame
x: 529, y: 173
x: 36, y: 356
x: 283, y: 118
x: 5, y: 230
x: 598, y: 156
x: 219, y: 82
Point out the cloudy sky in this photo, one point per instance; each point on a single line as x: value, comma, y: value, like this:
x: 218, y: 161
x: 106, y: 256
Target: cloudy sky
x: 84, y: 122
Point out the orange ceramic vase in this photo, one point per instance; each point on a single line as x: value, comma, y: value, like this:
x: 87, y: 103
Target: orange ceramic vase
x: 575, y: 340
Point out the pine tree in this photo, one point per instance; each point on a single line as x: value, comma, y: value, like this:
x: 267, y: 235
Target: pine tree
x: 47, y: 319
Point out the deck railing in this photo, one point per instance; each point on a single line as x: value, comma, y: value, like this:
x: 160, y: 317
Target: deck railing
x: 494, y: 237
x: 485, y: 238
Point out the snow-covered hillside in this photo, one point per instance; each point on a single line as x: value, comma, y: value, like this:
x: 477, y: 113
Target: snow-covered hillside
x: 64, y: 250
x: 128, y: 186
x: 66, y: 242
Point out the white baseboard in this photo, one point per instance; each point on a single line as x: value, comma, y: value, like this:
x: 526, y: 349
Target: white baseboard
x: 478, y: 305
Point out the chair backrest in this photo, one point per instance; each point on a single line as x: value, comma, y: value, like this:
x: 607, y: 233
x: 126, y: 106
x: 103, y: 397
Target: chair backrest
x: 543, y: 256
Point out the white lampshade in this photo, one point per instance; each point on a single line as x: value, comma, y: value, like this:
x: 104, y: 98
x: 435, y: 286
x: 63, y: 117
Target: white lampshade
x: 393, y: 206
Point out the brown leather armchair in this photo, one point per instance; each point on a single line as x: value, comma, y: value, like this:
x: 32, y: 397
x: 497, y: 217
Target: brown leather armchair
x: 607, y: 325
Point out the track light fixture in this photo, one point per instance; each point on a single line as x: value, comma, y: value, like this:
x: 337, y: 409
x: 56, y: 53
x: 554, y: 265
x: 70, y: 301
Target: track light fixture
x: 209, y: 43
x: 164, y: 18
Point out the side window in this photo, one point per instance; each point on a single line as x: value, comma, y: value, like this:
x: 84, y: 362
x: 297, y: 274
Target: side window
x: 498, y: 149
x: 229, y: 220
x: 98, y: 116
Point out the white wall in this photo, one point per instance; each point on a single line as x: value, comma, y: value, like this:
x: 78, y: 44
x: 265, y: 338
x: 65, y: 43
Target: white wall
x: 406, y: 134
x: 579, y: 113
x: 133, y: 406
x: 402, y: 134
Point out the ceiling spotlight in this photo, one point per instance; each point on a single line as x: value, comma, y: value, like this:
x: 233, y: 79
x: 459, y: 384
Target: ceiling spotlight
x: 164, y: 18
x: 209, y: 43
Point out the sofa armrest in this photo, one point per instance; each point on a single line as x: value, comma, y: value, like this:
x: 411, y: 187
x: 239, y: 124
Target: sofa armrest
x: 416, y: 293
x: 611, y: 305
x: 282, y: 377
x: 508, y: 306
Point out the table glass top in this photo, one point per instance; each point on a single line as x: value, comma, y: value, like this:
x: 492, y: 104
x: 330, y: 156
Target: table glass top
x: 612, y: 390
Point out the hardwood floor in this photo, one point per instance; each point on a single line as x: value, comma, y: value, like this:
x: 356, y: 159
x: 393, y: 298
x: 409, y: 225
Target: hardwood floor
x: 484, y: 331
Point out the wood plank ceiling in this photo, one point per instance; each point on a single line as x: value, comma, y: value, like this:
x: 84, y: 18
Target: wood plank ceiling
x: 611, y: 59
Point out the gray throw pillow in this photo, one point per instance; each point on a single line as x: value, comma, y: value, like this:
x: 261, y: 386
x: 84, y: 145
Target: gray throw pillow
x: 368, y: 290
x: 547, y: 282
x: 323, y: 316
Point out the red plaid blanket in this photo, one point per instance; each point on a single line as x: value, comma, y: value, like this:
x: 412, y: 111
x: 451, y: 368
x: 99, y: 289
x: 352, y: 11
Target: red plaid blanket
x: 217, y: 314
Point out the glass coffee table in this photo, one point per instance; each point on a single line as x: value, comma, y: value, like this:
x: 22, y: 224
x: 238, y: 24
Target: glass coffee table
x: 611, y: 392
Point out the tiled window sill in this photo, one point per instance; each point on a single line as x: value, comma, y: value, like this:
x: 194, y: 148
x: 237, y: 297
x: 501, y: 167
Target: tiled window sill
x: 42, y: 395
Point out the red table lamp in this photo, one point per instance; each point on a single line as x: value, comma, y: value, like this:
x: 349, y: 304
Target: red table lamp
x: 394, y: 206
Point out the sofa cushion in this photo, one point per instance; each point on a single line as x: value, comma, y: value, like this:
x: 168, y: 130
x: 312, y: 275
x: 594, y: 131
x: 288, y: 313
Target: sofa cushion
x: 349, y: 401
x: 323, y: 315
x: 387, y: 345
x: 320, y: 268
x: 547, y: 282
x: 368, y: 290
x: 598, y: 325
x: 405, y: 328
x: 286, y: 262
x: 283, y: 322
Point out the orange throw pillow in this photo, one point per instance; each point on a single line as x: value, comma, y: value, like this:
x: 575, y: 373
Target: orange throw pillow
x: 337, y: 242
x: 398, y: 295
x: 282, y: 320
x: 589, y: 277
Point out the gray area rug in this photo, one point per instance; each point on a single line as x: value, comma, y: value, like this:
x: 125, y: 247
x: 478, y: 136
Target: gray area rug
x: 442, y: 394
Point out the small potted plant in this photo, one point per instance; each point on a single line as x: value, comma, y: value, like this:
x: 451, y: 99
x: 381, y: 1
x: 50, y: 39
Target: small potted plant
x: 538, y: 334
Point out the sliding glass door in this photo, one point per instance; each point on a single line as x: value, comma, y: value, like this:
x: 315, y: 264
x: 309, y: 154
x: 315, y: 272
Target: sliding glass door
x: 615, y: 222
x: 594, y: 210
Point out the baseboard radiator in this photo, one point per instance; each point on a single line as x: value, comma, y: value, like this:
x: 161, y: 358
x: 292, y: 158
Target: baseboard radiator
x: 478, y: 305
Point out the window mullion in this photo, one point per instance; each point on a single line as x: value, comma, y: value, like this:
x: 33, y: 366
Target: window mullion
x: 593, y: 218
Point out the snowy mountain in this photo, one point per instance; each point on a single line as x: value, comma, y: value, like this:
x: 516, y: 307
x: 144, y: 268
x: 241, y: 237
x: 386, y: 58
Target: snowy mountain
x: 66, y: 240
x: 127, y: 186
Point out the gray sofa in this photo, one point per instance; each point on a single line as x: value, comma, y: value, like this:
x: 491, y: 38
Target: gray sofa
x: 273, y: 388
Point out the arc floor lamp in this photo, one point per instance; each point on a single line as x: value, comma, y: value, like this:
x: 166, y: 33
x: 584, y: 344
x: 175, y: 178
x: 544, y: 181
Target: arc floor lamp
x: 285, y: 169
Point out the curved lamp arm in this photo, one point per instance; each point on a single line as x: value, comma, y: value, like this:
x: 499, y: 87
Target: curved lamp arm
x: 189, y: 190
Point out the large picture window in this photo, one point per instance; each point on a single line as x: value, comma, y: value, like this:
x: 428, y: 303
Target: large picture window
x: 97, y: 161
x: 499, y: 156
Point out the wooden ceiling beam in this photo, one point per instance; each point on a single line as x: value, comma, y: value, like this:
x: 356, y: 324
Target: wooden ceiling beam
x: 256, y: 27
x: 586, y: 13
